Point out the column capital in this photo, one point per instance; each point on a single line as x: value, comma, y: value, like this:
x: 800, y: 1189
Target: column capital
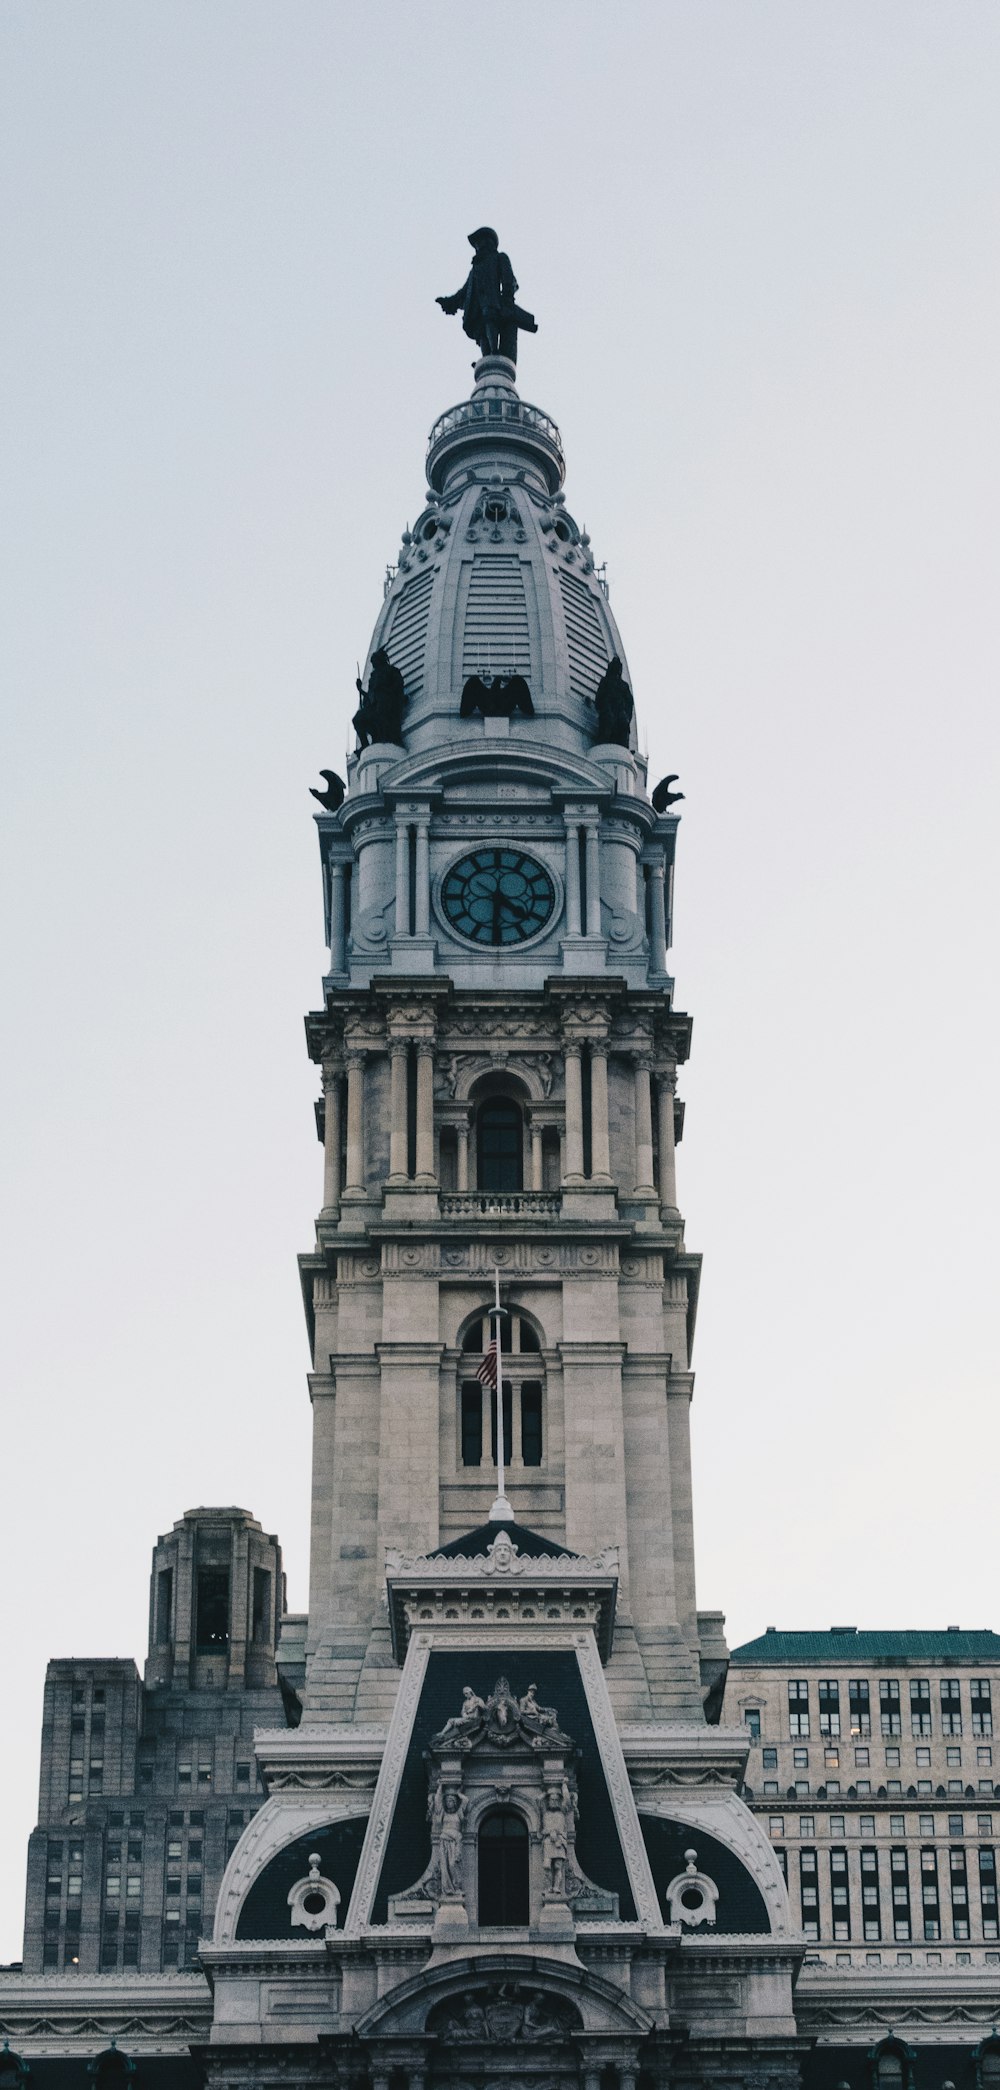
x: 330, y: 1073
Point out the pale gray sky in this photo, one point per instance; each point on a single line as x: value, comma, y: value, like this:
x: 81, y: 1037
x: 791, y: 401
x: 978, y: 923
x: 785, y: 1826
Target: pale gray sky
x: 761, y: 240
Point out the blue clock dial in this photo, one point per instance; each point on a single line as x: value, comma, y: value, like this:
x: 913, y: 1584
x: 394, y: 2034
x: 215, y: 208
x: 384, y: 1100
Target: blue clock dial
x: 497, y: 897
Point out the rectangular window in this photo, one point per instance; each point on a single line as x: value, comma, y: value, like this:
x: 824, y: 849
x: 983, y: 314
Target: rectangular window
x: 837, y: 1825
x: 929, y: 1895
x: 888, y: 1703
x: 984, y: 1755
x: 807, y: 1825
x: 840, y: 1894
x: 776, y: 1825
x: 798, y: 1708
x: 867, y: 1825
x: 164, y: 1606
x: 531, y: 1429
x: 472, y: 1422
x: 982, y: 1708
x: 951, y: 1705
x: 984, y: 1824
x: 212, y: 1632
x: 261, y: 1615
x: 891, y: 1756
x: 831, y: 1759
x: 899, y: 1872
x: 751, y: 1721
x: 924, y: 1759
x: 770, y: 1759
x: 988, y: 1891
x: 920, y: 1705
x: 870, y: 1901
x: 243, y: 1774
x: 809, y: 1890
x: 508, y: 1424
x: 953, y: 1755
x: 897, y: 1825
x: 800, y: 1759
x: 956, y: 1825
x: 862, y: 1758
x: 860, y: 1706
x: 829, y: 1706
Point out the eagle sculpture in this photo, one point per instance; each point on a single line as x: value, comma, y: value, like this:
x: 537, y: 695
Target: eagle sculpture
x: 498, y: 698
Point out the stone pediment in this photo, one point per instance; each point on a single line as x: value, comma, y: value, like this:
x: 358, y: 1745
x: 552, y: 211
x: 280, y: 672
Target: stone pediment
x: 502, y: 1586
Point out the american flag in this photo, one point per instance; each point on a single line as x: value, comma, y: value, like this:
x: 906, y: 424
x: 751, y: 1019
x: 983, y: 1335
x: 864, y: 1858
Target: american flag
x: 486, y: 1370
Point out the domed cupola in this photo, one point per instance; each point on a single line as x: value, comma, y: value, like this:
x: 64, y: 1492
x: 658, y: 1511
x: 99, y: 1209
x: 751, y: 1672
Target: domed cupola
x: 496, y: 580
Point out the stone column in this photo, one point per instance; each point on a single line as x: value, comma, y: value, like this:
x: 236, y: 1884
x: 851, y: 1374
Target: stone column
x: 574, y: 1116
x: 331, y: 1136
x: 536, y: 1156
x: 658, y: 917
x: 600, y: 1150
x: 573, y: 923
x: 593, y: 879
x: 355, y: 1121
x: 462, y: 1156
x: 665, y: 1086
x: 402, y: 879
x: 423, y: 876
x: 338, y: 952
x: 643, y: 1131
x: 398, y: 1142
x: 425, y: 1110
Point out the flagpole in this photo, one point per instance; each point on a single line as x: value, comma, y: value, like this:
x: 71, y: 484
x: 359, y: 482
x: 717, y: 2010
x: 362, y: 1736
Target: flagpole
x: 501, y: 1513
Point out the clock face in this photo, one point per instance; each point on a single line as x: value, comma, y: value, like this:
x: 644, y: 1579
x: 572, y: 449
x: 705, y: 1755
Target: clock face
x: 497, y: 896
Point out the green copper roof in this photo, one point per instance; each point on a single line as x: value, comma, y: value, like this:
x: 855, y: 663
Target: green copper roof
x: 849, y: 1646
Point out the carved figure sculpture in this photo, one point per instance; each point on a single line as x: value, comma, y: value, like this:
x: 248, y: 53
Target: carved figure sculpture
x: 614, y: 707
x: 486, y: 299
x: 501, y: 1720
x: 663, y: 797
x: 498, y: 698
x: 380, y: 713
x: 451, y: 1848
x: 333, y: 797
x: 555, y: 1844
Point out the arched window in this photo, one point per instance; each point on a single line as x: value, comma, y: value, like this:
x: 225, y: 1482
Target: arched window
x: 503, y: 1870
x: 891, y: 2066
x: 523, y: 1395
x: 500, y: 1145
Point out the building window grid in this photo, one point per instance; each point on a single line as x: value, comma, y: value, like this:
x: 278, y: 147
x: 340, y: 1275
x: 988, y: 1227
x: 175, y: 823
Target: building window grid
x: 840, y: 1896
x: 888, y: 1701
x: 871, y: 1905
x: 798, y: 1708
x: 859, y: 1703
x: 829, y: 1706
x: 929, y: 1894
x: 988, y: 1890
x: 981, y: 1701
x: 920, y: 1706
x: 899, y: 1872
x: 809, y: 1892
x: 951, y: 1706
x: 958, y: 1875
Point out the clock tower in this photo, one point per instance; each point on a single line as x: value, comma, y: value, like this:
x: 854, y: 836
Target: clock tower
x: 504, y: 1838
x: 499, y: 1048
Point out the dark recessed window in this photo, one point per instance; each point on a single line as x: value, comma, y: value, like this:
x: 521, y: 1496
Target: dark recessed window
x: 503, y: 1869
x: 501, y: 1147
x: 472, y: 1423
x: 164, y: 1606
x: 213, y: 1609
x: 531, y: 1422
x: 261, y: 1605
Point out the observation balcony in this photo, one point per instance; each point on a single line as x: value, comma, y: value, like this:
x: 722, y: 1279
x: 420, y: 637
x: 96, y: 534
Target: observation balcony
x: 501, y: 1204
x: 495, y: 416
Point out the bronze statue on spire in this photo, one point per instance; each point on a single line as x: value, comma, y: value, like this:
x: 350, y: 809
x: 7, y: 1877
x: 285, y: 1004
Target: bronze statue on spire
x: 486, y: 299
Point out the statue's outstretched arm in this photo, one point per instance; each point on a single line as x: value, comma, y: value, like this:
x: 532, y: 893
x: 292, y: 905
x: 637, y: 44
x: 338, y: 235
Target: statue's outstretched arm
x: 453, y: 304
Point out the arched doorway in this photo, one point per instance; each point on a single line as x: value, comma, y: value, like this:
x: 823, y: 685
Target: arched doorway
x: 503, y: 1869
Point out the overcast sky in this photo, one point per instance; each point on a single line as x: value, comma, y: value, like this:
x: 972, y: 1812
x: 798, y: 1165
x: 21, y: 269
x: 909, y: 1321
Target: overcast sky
x: 761, y: 241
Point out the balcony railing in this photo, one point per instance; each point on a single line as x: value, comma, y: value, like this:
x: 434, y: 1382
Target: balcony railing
x: 500, y: 1204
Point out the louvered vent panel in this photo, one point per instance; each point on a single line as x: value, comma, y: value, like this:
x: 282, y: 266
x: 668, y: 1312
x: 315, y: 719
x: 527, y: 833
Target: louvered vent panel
x: 408, y: 632
x: 588, y: 647
x: 496, y: 639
